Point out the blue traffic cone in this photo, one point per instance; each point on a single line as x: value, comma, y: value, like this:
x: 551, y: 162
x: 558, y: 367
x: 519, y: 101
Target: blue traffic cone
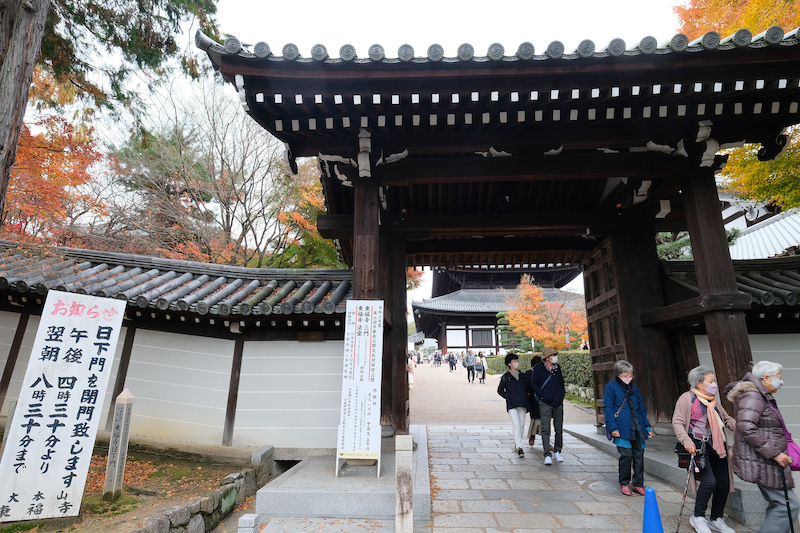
x: 651, y: 522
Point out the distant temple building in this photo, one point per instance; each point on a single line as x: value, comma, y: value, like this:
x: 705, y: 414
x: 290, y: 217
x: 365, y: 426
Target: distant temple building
x: 462, y: 312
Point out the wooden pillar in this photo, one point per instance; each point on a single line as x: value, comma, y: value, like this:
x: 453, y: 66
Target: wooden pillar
x: 395, y: 350
x: 11, y: 362
x: 638, y: 288
x: 366, y: 220
x: 727, y: 331
x: 443, y: 337
x: 122, y: 371
x: 233, y: 392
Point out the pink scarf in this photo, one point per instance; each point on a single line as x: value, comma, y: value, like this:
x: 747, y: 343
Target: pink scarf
x: 714, y: 422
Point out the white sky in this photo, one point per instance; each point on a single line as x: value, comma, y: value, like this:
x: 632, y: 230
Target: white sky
x: 419, y: 23
x: 445, y: 22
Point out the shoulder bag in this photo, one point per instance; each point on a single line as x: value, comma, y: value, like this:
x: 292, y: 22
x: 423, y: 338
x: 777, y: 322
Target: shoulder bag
x: 792, y: 449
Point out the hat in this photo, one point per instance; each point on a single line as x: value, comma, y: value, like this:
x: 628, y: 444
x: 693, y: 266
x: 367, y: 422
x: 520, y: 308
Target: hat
x: 548, y: 351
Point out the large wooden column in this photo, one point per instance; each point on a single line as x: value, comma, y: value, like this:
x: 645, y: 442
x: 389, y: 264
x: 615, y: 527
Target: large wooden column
x: 727, y: 332
x: 366, y: 224
x: 394, y: 397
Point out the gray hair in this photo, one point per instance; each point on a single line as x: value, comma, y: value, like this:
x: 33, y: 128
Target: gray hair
x: 766, y: 368
x: 698, y: 374
x: 622, y: 366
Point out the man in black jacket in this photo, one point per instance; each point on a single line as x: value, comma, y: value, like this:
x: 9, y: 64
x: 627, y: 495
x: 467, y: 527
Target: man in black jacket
x: 547, y: 383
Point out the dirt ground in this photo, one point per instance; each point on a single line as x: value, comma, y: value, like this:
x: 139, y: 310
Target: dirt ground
x: 152, y: 482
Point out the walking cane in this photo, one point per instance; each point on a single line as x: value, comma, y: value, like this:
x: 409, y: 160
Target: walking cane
x: 786, y: 495
x: 686, y: 490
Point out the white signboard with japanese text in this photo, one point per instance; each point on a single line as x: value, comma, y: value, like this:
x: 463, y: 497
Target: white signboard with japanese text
x: 44, y: 464
x: 360, y: 428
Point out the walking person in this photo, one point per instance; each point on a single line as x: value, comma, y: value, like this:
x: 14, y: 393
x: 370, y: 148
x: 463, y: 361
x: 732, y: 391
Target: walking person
x: 535, y: 427
x: 760, y: 446
x: 547, y: 383
x: 514, y: 389
x: 627, y: 425
x: 469, y: 363
x: 480, y: 367
x: 699, y: 423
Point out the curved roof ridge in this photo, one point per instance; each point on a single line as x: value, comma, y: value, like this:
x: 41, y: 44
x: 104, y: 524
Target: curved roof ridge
x: 679, y: 43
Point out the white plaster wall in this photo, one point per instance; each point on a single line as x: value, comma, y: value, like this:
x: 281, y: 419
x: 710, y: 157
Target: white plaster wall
x: 783, y: 349
x: 289, y: 394
x: 180, y: 386
x: 8, y: 326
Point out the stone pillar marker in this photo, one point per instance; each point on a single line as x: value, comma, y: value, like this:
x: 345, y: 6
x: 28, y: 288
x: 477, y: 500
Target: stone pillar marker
x: 118, y: 446
x: 404, y: 506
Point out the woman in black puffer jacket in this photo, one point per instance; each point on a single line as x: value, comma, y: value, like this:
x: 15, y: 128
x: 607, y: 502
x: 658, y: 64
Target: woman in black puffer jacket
x: 759, y: 450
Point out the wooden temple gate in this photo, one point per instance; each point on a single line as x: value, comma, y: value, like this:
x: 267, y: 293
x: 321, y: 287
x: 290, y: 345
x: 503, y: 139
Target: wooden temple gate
x: 522, y: 161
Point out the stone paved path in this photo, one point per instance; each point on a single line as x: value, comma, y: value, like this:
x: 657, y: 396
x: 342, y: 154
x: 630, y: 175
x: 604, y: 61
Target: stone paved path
x: 481, y: 486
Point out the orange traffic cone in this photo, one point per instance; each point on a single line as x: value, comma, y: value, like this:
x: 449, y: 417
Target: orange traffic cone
x: 651, y: 522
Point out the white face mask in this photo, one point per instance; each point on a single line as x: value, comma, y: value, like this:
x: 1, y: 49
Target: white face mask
x: 777, y: 383
x: 514, y: 364
x: 554, y: 360
x: 626, y: 381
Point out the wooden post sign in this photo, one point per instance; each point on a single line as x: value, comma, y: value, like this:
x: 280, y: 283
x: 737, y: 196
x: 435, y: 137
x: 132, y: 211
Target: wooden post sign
x: 118, y: 447
x: 50, y: 442
x: 360, y: 427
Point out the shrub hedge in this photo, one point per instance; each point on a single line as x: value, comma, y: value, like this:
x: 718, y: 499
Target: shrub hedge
x: 576, y: 365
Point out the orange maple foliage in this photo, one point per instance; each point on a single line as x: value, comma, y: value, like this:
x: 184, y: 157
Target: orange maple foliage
x: 45, y: 192
x: 413, y: 278
x: 549, y: 322
x: 726, y: 16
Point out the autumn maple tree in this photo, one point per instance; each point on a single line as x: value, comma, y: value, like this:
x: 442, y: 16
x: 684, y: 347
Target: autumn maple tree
x: 49, y: 187
x: 550, y: 322
x: 85, y: 51
x: 775, y: 181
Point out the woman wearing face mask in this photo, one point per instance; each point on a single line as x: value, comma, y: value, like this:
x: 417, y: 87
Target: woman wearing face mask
x: 627, y: 425
x: 514, y: 388
x: 759, y: 450
x: 699, y: 418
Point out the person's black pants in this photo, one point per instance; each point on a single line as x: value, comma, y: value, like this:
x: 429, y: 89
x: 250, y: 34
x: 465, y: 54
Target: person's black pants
x: 632, y: 457
x: 470, y: 373
x: 713, y: 480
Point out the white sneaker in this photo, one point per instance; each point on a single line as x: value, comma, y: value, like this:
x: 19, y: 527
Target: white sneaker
x: 720, y: 525
x: 548, y: 460
x: 558, y: 457
x: 700, y: 524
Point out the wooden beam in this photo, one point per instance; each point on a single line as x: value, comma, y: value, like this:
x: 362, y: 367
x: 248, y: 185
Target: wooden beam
x: 591, y: 165
x: 415, y: 227
x: 11, y: 362
x: 693, y: 310
x: 233, y: 392
x: 122, y: 371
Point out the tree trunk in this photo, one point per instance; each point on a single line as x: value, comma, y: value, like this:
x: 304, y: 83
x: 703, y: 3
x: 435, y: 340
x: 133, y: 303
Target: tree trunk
x: 21, y: 31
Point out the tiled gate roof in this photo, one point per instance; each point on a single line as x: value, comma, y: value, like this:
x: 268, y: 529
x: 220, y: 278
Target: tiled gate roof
x: 171, y: 285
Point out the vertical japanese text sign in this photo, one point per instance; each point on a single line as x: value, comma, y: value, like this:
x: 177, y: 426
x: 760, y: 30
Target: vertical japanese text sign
x: 43, y: 469
x: 360, y: 424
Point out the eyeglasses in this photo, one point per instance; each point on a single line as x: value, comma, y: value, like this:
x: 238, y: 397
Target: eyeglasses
x: 628, y: 374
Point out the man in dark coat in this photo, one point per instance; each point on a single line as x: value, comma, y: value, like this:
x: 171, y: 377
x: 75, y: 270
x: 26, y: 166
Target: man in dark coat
x: 547, y: 383
x: 760, y: 445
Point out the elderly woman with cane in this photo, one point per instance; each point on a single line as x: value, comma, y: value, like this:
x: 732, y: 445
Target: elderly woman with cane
x: 627, y: 425
x: 760, y: 447
x: 699, y: 424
